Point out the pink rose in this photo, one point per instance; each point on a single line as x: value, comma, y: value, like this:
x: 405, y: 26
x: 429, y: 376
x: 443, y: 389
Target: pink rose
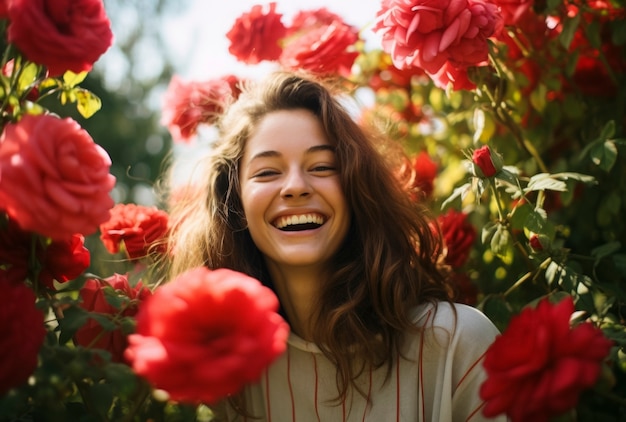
x: 60, y: 34
x: 54, y: 180
x: 458, y: 236
x: 255, y: 36
x: 22, y: 334
x: 427, y: 34
x: 207, y: 333
x: 92, y: 334
x: 540, y: 365
x: 186, y: 105
x: 323, y: 50
x: 141, y: 229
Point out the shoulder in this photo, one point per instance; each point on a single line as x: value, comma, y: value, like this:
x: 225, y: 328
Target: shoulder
x: 459, y: 322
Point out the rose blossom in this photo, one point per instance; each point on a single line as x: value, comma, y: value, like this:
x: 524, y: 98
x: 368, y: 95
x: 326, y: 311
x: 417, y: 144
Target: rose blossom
x: 64, y: 260
x: 485, y: 162
x: 305, y: 20
x: 512, y: 10
x: 425, y: 173
x: 186, y: 105
x: 539, y: 366
x: 4, y: 9
x: 452, y: 76
x: 324, y: 50
x: 426, y: 34
x: 140, y: 228
x: 54, y: 180
x: 458, y: 235
x: 207, y: 333
x: 61, y: 35
x: 92, y: 334
x: 256, y: 35
x: 23, y: 333
x: 60, y: 260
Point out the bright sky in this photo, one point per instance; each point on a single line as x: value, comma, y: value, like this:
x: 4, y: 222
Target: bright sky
x: 198, y: 35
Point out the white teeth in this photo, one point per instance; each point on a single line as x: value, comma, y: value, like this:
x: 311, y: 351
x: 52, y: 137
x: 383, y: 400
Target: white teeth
x: 299, y: 219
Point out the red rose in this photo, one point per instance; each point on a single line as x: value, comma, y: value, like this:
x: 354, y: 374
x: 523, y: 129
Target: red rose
x: 255, y: 36
x: 425, y: 173
x: 60, y: 260
x: 61, y: 35
x: 4, y: 9
x: 141, y: 229
x: 92, y: 334
x: 453, y: 76
x: 63, y: 260
x: 427, y: 34
x: 186, y: 105
x: 204, y: 335
x: 22, y: 334
x: 305, y: 20
x: 323, y: 50
x: 485, y: 162
x: 512, y: 10
x: 539, y: 366
x: 458, y: 237
x: 55, y: 179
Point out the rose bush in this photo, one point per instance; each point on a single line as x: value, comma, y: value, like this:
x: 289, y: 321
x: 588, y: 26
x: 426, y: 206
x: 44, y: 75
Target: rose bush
x: 510, y: 115
x: 507, y: 117
x: 67, y: 329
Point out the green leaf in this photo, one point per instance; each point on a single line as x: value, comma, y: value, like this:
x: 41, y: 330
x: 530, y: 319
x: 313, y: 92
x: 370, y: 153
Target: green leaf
x: 604, y: 155
x: 501, y: 242
x: 570, y: 25
x: 605, y: 250
x: 497, y: 310
x: 457, y: 194
x: 104, y: 321
x: 71, y: 79
x: 87, y: 103
x: 519, y: 215
x: 101, y: 397
x: 74, y: 317
x: 544, y: 181
x: 536, y: 222
x: 487, y: 232
x: 27, y: 76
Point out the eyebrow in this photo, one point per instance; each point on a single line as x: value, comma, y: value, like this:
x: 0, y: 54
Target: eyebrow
x: 311, y: 150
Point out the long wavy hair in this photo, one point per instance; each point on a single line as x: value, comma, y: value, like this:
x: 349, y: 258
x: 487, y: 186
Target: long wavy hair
x: 387, y: 263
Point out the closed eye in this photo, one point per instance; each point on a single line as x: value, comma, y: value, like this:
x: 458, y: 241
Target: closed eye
x: 265, y: 173
x: 324, y: 168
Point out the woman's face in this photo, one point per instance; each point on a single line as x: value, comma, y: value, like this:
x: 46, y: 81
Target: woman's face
x: 295, y: 208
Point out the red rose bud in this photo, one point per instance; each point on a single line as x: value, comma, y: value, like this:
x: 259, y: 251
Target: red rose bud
x: 485, y: 162
x: 538, y: 242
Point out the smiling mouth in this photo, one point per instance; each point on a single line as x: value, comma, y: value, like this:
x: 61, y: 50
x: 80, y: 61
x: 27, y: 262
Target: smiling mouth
x: 299, y: 222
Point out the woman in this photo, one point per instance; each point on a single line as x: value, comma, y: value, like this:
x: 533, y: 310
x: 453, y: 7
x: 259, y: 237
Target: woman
x: 297, y: 195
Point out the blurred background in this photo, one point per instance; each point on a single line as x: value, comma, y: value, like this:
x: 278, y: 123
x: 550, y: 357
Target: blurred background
x: 155, y: 39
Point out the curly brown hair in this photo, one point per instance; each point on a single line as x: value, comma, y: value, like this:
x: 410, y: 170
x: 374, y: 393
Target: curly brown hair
x: 387, y: 263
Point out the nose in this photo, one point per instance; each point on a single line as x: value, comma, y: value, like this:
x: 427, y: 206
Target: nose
x: 295, y: 184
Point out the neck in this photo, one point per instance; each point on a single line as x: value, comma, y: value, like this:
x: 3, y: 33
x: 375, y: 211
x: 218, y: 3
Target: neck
x: 297, y: 289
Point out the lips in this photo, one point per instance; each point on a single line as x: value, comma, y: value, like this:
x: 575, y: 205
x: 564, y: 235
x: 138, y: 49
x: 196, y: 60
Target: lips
x: 297, y: 222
